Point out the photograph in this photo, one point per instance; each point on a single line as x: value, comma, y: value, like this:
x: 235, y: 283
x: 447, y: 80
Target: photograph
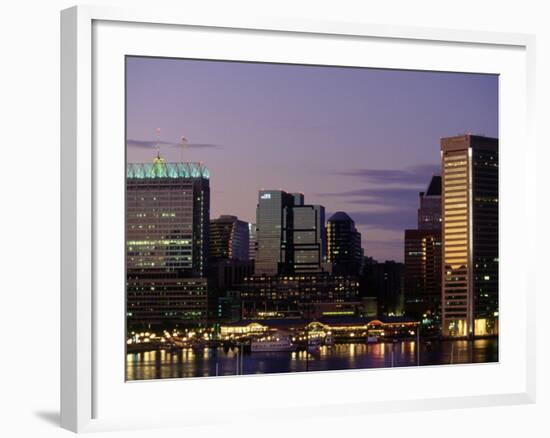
x: 285, y: 218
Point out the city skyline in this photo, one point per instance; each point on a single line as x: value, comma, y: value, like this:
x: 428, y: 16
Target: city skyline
x: 303, y: 218
x: 367, y: 146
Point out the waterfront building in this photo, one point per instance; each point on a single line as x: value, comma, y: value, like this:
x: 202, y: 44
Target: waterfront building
x: 289, y: 295
x: 229, y: 239
x: 229, y: 307
x: 342, y: 328
x: 167, y: 229
x: 344, y: 250
x: 160, y: 298
x: 224, y: 278
x: 470, y: 235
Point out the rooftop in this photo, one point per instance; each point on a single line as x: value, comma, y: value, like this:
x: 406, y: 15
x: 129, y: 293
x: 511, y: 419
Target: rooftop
x: 462, y: 142
x: 434, y: 189
x: 340, y: 216
x: 161, y: 169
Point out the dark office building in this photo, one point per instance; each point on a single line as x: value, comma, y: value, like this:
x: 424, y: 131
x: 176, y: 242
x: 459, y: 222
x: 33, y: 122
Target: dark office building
x: 344, y: 250
x: 309, y: 238
x: 423, y: 274
x: 167, y: 224
x: 273, y: 222
x: 470, y: 235
x: 229, y: 239
x: 385, y: 282
x: 429, y: 211
x: 253, y: 241
x: 224, y: 279
x: 423, y: 257
x: 158, y: 298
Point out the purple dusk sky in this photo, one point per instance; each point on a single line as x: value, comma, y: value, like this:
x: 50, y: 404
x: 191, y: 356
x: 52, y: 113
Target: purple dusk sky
x: 364, y: 141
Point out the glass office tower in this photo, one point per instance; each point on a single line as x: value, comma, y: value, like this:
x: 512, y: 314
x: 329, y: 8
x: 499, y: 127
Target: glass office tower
x: 290, y: 234
x: 470, y: 235
x: 309, y: 238
x: 167, y: 224
x: 273, y: 220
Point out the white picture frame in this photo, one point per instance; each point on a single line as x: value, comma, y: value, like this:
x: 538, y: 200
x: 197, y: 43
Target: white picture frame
x: 82, y: 191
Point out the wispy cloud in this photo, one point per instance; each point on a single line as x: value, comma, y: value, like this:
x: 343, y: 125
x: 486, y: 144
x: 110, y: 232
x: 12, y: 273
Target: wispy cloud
x: 391, y: 220
x: 150, y: 144
x: 389, y: 197
x: 394, y: 220
x: 418, y: 174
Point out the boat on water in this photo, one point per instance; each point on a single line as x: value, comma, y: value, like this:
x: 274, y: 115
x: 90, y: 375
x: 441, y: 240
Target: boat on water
x: 264, y: 345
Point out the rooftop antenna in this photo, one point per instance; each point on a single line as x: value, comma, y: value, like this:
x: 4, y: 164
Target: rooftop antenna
x: 158, y: 142
x: 183, y: 143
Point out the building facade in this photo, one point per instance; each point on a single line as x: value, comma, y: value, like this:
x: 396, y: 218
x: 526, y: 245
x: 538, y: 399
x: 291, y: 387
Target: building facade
x: 291, y: 295
x: 273, y: 220
x: 157, y: 298
x: 429, y: 210
x: 167, y: 235
x: 344, y: 251
x: 423, y: 257
x: 229, y: 239
x: 423, y: 274
x: 290, y: 234
x: 308, y: 238
x: 470, y: 235
x: 253, y: 241
x: 385, y: 282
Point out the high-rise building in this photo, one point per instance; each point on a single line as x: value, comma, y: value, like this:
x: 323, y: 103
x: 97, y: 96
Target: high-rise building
x: 470, y: 235
x: 253, y: 241
x: 344, y: 250
x: 423, y: 257
x: 384, y: 281
x: 228, y: 262
x: 167, y: 229
x: 429, y: 211
x: 423, y: 273
x: 298, y: 198
x: 309, y: 238
x: 290, y: 264
x: 229, y: 239
x: 290, y: 234
x: 273, y: 221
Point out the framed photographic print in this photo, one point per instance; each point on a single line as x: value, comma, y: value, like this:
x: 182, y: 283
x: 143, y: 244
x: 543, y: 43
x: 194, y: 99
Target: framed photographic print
x: 323, y: 212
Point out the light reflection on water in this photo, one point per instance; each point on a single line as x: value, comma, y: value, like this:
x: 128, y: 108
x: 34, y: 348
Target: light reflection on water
x: 211, y: 362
